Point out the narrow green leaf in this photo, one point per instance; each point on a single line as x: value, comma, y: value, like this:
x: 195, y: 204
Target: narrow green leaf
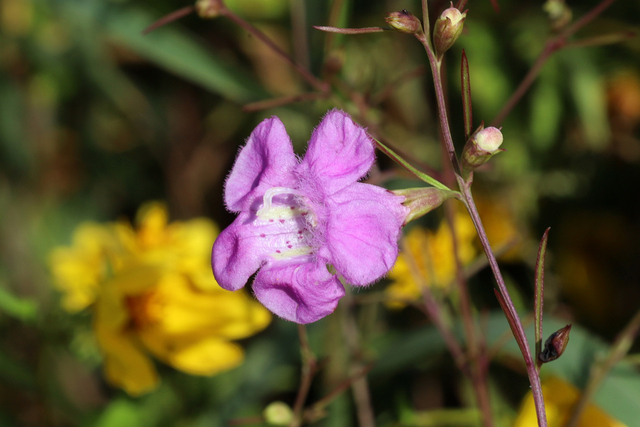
x: 174, y: 50
x: 539, y: 294
x: 20, y: 308
x: 402, y: 162
x: 618, y: 395
x: 466, y: 95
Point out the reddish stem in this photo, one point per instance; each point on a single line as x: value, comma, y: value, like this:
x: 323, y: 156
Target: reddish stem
x: 310, y: 78
x: 510, y: 311
x: 550, y: 47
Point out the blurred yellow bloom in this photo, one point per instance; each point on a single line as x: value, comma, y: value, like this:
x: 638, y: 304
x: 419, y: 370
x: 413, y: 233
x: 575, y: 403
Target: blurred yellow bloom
x: 432, y: 255
x: 152, y: 292
x: 559, y: 398
x: 501, y: 226
x: 432, y: 252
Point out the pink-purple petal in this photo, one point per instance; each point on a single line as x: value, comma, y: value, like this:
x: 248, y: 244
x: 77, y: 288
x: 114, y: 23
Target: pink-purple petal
x: 301, y: 293
x: 266, y: 160
x: 340, y: 152
x: 237, y: 254
x: 363, y: 231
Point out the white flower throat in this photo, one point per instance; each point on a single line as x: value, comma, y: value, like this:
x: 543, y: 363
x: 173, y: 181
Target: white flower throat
x: 286, y: 223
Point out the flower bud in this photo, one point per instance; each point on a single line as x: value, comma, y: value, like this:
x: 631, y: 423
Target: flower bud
x: 404, y: 22
x: 554, y: 345
x: 278, y: 414
x: 209, y: 9
x: 447, y: 29
x: 422, y: 200
x: 481, y: 147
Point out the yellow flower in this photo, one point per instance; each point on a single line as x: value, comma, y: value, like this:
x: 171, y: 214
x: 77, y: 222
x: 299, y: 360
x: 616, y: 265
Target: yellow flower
x: 152, y: 292
x: 432, y: 254
x: 79, y: 270
x: 501, y: 227
x: 559, y: 398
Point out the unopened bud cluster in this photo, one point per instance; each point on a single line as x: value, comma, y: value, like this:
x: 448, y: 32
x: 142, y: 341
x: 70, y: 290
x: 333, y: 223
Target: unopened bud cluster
x: 483, y: 145
x: 447, y: 29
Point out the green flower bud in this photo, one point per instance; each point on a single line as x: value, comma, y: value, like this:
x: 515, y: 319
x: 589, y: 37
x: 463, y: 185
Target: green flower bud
x: 483, y: 145
x: 422, y: 200
x: 404, y: 22
x: 278, y: 414
x: 555, y: 345
x: 447, y: 29
x: 209, y: 9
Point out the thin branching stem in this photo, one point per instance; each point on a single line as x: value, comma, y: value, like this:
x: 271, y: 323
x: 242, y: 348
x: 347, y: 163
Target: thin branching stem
x: 308, y: 371
x: 360, y: 384
x: 310, y: 78
x: 553, y: 45
x: 510, y: 310
x: 476, y: 374
x: 465, y: 188
x: 478, y: 368
x: 433, y: 310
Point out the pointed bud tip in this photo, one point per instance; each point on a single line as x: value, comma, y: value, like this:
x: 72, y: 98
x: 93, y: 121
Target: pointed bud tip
x: 555, y: 345
x: 454, y: 15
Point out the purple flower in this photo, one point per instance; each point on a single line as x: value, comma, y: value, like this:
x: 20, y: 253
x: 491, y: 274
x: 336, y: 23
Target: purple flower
x: 297, y: 217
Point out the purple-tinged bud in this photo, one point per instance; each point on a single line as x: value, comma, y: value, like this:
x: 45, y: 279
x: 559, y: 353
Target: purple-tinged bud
x: 422, y: 200
x: 209, y: 9
x: 555, y: 345
x: 278, y: 414
x: 483, y: 145
x: 404, y: 22
x: 447, y: 29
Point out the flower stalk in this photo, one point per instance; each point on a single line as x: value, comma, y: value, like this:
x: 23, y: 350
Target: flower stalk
x: 465, y: 189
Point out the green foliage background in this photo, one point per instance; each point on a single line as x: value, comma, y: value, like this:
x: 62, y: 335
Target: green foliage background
x: 96, y: 118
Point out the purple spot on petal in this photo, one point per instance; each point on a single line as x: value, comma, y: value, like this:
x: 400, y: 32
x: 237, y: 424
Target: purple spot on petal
x: 270, y: 220
x: 282, y: 221
x: 262, y: 235
x: 292, y: 207
x: 289, y: 246
x: 278, y: 251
